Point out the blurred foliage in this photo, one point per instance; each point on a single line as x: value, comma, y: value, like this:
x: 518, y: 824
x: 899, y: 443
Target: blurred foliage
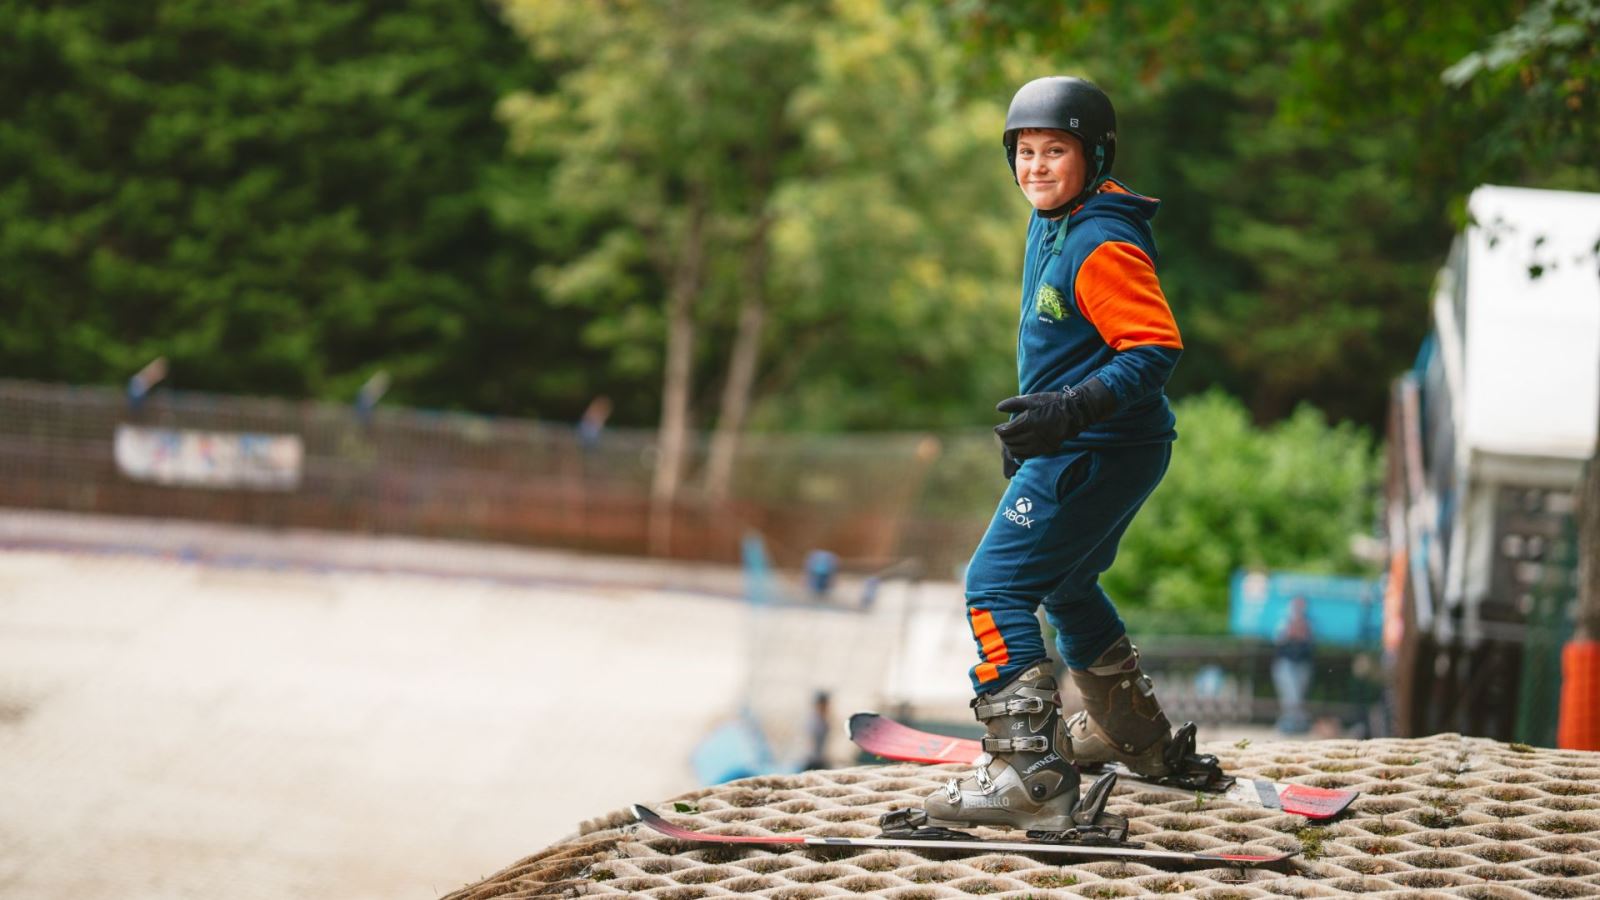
x: 1314, y: 157
x: 665, y: 135
x: 1236, y: 496
x: 898, y: 253
x: 828, y: 138
x: 1513, y: 102
x: 284, y: 196
x: 280, y: 197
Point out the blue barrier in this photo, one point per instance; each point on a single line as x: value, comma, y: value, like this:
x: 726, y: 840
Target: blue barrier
x: 1343, y: 610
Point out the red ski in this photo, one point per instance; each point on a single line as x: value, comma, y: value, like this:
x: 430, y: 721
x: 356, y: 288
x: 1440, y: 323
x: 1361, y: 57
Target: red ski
x: 1278, y: 862
x: 884, y: 737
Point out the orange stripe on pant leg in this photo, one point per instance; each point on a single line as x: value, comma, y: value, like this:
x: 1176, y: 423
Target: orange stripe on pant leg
x: 994, y: 646
x: 995, y: 653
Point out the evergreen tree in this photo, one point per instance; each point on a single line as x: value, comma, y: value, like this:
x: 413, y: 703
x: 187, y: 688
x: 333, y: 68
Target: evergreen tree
x: 280, y: 197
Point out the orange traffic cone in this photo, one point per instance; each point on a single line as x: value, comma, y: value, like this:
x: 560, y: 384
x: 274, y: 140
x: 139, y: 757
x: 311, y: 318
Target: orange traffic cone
x: 1579, y: 727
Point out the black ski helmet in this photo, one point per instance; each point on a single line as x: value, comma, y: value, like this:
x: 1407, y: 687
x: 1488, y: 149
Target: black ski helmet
x: 1073, y: 105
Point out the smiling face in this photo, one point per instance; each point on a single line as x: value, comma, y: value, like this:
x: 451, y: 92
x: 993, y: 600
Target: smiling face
x: 1050, y: 167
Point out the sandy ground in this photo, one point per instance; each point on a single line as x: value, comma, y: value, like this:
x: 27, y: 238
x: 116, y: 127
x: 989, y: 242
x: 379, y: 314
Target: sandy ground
x: 178, y: 729
x: 203, y: 711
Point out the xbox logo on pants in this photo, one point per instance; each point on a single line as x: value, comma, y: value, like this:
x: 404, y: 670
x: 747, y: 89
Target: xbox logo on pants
x: 1018, y: 511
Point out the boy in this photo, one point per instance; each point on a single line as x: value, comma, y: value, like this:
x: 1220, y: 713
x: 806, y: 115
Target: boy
x: 1089, y: 439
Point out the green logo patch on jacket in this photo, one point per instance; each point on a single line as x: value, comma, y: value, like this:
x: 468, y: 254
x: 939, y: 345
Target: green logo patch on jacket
x: 1049, y: 302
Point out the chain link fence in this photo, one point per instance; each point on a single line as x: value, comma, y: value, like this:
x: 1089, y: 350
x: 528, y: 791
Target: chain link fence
x: 871, y: 499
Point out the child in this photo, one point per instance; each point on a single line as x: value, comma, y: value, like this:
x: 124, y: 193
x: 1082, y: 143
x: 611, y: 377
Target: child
x: 1089, y: 438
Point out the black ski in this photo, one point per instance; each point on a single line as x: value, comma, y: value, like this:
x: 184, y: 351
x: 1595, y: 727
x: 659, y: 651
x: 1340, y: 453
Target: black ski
x: 941, y: 839
x: 884, y: 737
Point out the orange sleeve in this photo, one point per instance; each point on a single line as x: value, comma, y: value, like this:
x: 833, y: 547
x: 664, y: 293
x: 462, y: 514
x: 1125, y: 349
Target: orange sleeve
x: 1118, y: 293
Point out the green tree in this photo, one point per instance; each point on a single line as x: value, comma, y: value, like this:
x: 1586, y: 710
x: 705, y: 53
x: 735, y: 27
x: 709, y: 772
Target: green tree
x: 898, y: 253
x: 1288, y: 496
x: 707, y: 158
x: 668, y: 136
x: 1476, y: 92
x: 1298, y: 237
x: 280, y: 197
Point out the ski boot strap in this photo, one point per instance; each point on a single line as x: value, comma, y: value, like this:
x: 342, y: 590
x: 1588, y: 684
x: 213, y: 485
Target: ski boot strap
x: 1036, y: 744
x: 952, y: 788
x: 1026, y: 701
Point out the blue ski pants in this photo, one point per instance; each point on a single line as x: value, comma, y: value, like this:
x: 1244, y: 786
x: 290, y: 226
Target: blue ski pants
x: 1055, y: 531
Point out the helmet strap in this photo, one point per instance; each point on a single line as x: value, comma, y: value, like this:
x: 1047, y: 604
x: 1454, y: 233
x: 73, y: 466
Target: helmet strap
x: 1092, y: 184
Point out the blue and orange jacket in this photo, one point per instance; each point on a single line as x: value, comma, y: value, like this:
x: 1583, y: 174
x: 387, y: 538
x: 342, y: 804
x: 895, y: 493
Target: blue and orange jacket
x: 1091, y: 306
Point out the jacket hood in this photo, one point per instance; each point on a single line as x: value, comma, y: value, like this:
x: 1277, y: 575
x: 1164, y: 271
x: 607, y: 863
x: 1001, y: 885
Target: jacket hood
x: 1115, y: 199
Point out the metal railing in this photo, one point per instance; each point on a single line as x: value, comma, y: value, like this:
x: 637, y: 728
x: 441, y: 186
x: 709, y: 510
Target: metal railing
x: 1229, y: 680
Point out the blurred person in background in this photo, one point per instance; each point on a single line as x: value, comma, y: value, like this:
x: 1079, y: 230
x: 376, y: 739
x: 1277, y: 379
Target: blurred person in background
x: 1089, y: 438
x: 1292, y: 651
x: 593, y: 421
x: 817, y: 729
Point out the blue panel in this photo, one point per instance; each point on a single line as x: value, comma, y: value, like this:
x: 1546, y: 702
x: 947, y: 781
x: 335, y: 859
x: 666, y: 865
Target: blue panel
x: 1343, y: 610
x: 734, y: 749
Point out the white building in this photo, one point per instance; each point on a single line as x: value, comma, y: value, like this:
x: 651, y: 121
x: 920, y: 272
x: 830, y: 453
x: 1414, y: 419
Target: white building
x: 1492, y: 428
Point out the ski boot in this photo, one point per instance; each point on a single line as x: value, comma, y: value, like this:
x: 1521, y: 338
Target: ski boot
x: 1122, y: 722
x: 1023, y: 780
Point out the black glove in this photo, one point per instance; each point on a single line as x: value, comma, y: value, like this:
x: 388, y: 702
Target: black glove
x: 1008, y: 463
x: 1045, y: 419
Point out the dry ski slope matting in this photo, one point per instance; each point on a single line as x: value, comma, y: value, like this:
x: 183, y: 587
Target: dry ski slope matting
x: 1441, y: 816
